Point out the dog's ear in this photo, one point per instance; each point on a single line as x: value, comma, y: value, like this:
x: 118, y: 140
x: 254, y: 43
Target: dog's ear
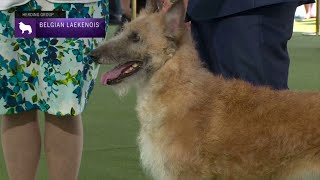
x: 152, y: 6
x: 174, y: 19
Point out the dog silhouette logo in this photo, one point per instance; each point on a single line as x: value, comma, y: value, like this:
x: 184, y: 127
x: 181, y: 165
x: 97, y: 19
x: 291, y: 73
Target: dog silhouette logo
x: 25, y: 27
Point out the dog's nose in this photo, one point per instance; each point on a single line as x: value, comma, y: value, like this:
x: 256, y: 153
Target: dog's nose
x: 95, y: 56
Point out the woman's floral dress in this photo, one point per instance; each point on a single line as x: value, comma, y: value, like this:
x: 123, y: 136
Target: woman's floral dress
x: 53, y: 75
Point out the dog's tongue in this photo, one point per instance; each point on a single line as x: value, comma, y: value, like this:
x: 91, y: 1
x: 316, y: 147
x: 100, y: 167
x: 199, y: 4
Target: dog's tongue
x: 111, y: 75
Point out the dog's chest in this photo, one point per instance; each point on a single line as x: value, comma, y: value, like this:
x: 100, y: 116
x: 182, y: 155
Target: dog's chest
x: 151, y: 115
x: 152, y: 156
x: 151, y: 111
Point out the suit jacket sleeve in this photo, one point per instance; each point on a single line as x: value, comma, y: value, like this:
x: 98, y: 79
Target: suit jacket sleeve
x: 209, y: 9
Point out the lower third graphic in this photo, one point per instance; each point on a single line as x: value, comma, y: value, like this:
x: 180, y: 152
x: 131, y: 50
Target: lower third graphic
x: 60, y: 27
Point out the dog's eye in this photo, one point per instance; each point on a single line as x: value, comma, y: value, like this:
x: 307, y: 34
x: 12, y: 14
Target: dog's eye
x: 134, y: 37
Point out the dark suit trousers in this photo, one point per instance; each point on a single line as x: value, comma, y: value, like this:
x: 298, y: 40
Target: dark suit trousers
x: 251, y: 45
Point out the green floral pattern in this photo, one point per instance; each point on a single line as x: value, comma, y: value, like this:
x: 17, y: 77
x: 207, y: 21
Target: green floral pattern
x: 54, y: 75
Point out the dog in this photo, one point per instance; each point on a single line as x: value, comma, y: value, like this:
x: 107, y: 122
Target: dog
x: 24, y: 27
x: 195, y: 125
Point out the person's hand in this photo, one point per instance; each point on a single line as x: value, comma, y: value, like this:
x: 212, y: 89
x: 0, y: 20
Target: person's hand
x: 166, y: 4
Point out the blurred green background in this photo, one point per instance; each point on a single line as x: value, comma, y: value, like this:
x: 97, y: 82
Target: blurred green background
x: 111, y: 125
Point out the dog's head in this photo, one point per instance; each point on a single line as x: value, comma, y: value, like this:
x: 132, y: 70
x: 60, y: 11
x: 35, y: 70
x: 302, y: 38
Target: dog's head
x: 144, y: 45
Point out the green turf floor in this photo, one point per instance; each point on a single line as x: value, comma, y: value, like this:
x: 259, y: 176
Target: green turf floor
x: 111, y: 126
x: 305, y: 57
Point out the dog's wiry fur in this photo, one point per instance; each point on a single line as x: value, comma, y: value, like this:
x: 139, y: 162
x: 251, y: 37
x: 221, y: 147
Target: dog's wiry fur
x: 195, y: 125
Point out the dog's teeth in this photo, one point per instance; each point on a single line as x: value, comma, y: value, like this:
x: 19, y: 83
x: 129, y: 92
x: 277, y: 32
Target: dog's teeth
x: 135, y: 65
x: 127, y: 71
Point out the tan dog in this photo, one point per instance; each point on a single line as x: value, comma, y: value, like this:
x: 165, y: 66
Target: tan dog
x: 195, y: 125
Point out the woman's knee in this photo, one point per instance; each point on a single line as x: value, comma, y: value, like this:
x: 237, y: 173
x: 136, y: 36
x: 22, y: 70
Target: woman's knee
x: 70, y: 124
x: 20, y: 119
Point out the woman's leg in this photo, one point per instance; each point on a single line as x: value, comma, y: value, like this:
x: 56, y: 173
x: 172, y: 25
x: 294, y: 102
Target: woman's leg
x: 309, y: 13
x: 21, y: 143
x: 63, y: 146
x: 307, y: 7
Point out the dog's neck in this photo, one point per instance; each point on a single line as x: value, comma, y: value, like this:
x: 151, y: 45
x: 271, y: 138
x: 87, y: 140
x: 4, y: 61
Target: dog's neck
x: 182, y: 66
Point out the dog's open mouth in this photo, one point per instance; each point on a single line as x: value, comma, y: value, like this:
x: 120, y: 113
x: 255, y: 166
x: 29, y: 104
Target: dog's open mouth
x: 120, y: 72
